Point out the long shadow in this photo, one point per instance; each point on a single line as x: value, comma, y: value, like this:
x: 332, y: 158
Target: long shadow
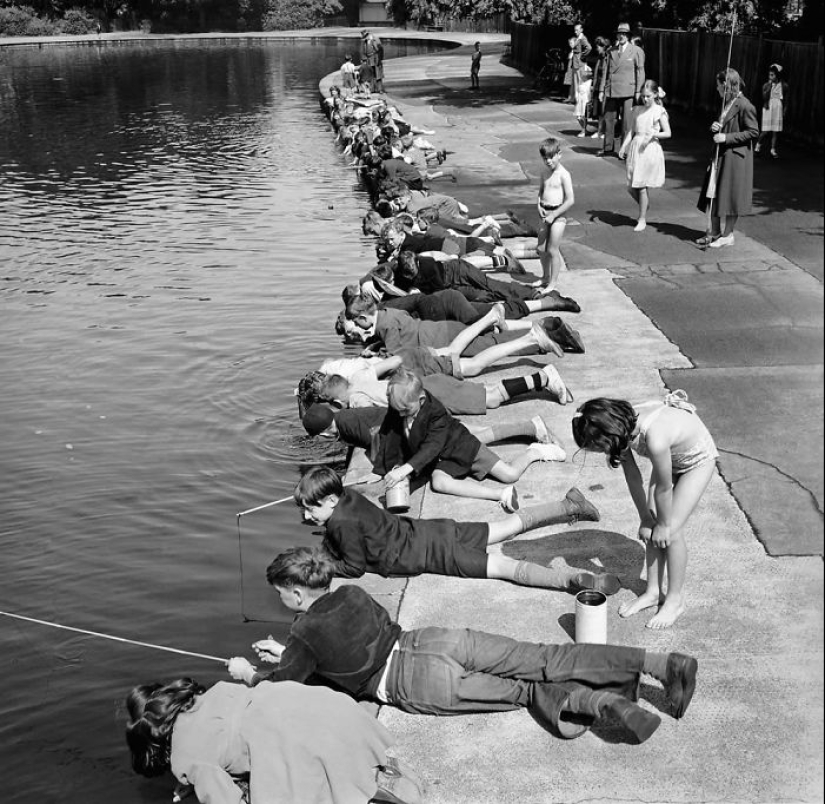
x: 686, y: 234
x: 610, y: 218
x: 615, y: 552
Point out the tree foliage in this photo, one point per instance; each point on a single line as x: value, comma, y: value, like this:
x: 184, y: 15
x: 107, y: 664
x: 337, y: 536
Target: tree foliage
x: 753, y: 16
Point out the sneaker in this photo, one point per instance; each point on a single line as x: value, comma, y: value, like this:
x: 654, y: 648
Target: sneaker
x: 545, y: 343
x: 549, y: 452
x: 725, y: 240
x: 509, y: 499
x: 563, y: 334
x: 581, y: 134
x: 595, y: 136
x: 706, y: 240
x: 584, y: 510
x: 542, y: 431
x: 555, y: 384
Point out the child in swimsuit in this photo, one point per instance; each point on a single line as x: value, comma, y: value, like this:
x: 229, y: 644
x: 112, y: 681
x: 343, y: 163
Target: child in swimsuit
x: 555, y: 198
x: 683, y: 456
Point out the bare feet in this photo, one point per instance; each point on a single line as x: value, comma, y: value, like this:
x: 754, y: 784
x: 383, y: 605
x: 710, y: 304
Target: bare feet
x: 668, y: 613
x: 644, y: 601
x: 498, y: 311
x: 640, y: 226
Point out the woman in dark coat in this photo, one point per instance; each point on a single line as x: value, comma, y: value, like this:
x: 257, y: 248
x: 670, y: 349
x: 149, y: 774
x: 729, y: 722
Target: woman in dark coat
x: 734, y: 134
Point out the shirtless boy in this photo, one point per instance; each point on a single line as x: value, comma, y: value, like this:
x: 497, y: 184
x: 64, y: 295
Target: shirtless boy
x: 555, y: 198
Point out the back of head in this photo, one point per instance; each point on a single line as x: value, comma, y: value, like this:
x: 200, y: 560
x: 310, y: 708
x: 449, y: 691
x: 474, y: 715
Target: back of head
x: 406, y: 268
x: 309, y: 388
x: 317, y: 418
x: 333, y: 387
x: 310, y: 567
x: 605, y: 425
x: 318, y: 483
x: 153, y: 709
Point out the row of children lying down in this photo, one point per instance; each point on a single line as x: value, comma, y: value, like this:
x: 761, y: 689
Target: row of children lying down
x: 295, y: 743
x: 423, y: 314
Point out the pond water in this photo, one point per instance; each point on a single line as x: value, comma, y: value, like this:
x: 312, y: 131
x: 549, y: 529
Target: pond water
x: 176, y: 225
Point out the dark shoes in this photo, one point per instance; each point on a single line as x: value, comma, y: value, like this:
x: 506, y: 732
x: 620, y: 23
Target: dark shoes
x: 555, y: 301
x: 564, y: 335
x: 584, y: 510
x: 636, y: 720
x: 680, y: 682
x: 604, y: 152
x: 605, y: 583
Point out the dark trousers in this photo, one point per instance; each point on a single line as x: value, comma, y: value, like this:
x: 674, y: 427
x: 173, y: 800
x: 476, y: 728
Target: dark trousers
x: 611, y: 109
x: 450, y: 671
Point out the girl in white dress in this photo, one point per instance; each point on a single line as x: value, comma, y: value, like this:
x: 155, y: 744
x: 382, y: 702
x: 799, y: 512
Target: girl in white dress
x: 774, y: 104
x: 649, y: 123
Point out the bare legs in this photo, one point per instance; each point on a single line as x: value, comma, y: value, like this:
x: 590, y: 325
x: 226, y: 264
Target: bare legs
x: 550, y: 253
x: 670, y: 560
x: 641, y: 197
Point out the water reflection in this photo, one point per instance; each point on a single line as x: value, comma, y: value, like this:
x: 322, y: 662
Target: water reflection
x: 175, y: 228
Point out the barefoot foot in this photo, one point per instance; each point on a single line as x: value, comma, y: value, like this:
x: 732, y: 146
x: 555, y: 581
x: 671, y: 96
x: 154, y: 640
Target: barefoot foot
x: 669, y: 612
x: 644, y: 601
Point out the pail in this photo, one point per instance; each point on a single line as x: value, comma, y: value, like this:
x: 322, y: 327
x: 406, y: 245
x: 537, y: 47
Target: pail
x: 398, y: 497
x: 591, y: 617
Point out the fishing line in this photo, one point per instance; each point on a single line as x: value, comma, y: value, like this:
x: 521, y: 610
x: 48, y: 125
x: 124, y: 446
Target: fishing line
x: 114, y: 638
x: 360, y: 481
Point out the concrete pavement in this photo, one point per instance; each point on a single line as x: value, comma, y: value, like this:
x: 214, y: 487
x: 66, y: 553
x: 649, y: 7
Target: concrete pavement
x: 741, y: 332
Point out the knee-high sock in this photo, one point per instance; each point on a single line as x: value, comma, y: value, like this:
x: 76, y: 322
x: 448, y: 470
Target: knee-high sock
x: 534, y: 516
x: 529, y: 574
x: 585, y: 701
x: 505, y: 430
x: 523, y: 385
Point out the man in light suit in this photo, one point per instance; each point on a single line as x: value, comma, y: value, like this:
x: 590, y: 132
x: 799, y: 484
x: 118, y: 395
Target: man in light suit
x: 620, y: 85
x: 581, y: 50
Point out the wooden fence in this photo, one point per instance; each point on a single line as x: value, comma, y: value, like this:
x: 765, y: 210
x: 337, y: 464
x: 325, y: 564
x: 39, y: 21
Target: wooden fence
x: 685, y: 63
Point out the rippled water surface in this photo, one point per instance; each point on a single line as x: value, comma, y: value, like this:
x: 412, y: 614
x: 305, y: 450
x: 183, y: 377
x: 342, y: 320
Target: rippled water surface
x: 176, y: 225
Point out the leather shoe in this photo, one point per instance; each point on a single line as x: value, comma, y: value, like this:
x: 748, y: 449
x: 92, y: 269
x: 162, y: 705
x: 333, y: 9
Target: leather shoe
x: 680, y: 682
x: 562, y: 333
x: 636, y: 720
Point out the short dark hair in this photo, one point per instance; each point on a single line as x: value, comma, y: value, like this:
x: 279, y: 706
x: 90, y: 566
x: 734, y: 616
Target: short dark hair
x: 549, y: 147
x: 311, y: 567
x: 318, y: 483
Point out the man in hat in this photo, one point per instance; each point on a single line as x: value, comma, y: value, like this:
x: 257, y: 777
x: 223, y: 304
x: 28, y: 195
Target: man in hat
x: 620, y: 84
x: 372, y: 55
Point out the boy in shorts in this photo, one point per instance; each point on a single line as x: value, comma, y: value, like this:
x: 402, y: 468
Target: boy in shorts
x: 361, y: 537
x: 555, y: 198
x: 419, y: 438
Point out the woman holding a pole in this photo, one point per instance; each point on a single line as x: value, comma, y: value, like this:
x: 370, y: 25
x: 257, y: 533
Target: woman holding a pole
x: 727, y: 191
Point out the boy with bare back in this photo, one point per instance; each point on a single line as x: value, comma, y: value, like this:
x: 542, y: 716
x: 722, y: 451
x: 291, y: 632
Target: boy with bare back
x: 555, y: 198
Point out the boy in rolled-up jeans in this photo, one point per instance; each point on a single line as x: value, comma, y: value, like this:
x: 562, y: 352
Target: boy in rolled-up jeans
x: 345, y: 637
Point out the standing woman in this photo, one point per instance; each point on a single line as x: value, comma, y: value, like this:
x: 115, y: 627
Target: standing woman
x: 295, y: 743
x: 774, y: 104
x: 734, y: 134
x: 648, y: 124
x: 602, y: 46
